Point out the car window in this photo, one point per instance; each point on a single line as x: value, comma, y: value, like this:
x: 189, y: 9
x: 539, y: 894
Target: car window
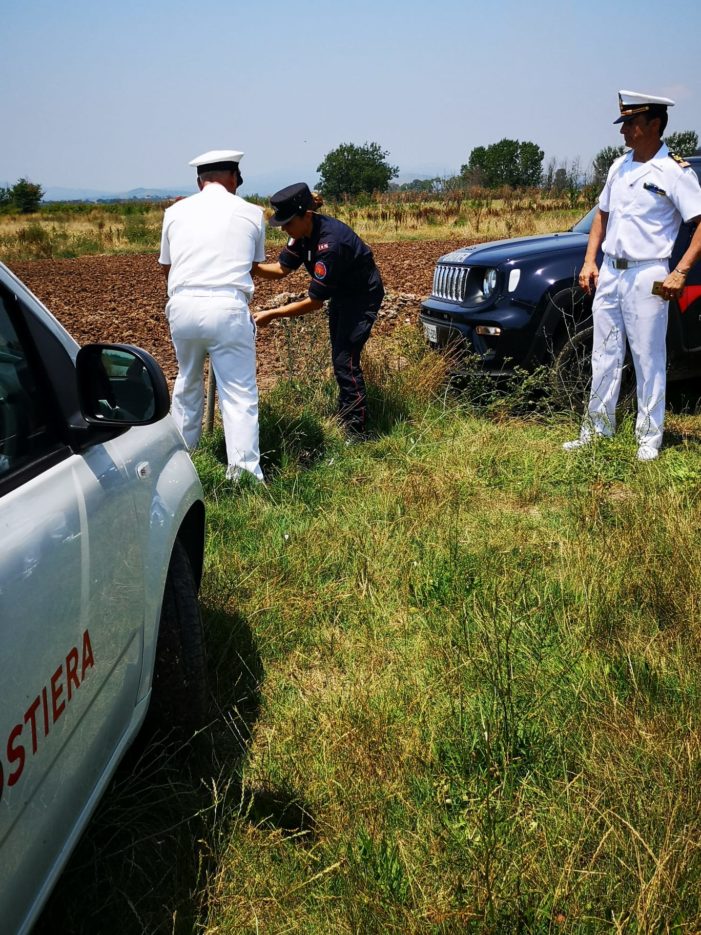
x: 584, y: 226
x: 26, y: 432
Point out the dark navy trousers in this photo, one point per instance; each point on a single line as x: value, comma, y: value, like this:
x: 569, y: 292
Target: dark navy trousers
x: 349, y: 328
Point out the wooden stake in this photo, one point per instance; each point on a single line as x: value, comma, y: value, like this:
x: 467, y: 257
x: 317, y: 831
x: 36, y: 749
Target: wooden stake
x: 211, y: 386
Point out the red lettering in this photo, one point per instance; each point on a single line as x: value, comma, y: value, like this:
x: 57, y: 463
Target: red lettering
x: 72, y: 671
x: 88, y: 661
x: 56, y: 692
x: 29, y: 718
x: 15, y: 753
x: 45, y: 706
x: 53, y: 703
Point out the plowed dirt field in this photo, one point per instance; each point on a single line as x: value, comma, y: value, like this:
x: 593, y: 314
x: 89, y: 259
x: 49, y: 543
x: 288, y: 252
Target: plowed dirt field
x: 122, y: 298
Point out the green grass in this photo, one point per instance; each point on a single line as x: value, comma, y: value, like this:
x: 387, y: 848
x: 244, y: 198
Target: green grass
x: 456, y: 675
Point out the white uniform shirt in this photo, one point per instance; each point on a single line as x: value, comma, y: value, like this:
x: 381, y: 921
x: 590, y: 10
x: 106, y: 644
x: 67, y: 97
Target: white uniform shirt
x: 210, y: 241
x: 646, y: 203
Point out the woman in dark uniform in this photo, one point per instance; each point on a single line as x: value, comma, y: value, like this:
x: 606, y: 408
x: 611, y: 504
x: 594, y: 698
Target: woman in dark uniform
x: 343, y: 271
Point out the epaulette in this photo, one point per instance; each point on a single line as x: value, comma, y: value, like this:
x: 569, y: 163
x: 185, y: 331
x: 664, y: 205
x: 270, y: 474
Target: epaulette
x: 682, y: 163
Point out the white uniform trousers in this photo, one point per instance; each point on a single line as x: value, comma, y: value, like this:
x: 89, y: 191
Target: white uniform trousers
x: 624, y: 308
x: 221, y: 326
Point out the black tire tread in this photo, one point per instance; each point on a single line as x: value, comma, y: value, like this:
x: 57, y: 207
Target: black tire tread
x: 179, y: 694
x: 571, y: 374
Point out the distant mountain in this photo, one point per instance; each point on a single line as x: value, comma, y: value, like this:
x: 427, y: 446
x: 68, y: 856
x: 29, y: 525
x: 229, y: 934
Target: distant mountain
x: 134, y: 194
x: 154, y: 194
x: 262, y: 184
x: 74, y: 194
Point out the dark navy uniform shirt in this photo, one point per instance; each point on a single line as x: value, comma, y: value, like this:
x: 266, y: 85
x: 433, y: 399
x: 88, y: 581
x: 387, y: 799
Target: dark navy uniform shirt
x: 342, y: 267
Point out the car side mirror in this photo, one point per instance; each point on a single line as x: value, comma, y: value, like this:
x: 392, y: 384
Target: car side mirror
x: 120, y: 385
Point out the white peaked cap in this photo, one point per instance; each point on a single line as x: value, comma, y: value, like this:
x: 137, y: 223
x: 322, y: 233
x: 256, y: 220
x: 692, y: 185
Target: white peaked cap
x: 632, y: 103
x: 215, y: 156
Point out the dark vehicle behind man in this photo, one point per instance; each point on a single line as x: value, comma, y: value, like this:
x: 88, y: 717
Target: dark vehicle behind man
x: 517, y: 303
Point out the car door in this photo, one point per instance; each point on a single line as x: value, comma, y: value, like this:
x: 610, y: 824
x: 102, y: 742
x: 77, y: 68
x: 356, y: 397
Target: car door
x: 685, y: 314
x: 71, y: 616
x: 687, y: 309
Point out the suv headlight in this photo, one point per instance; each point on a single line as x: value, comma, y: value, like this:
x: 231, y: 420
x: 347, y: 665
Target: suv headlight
x: 489, y: 283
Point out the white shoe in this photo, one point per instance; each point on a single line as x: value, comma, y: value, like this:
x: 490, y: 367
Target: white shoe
x: 577, y: 443
x: 237, y: 474
x: 647, y: 453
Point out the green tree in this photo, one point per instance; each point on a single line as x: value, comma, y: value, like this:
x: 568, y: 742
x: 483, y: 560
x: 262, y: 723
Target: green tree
x: 549, y: 174
x: 355, y: 170
x: 683, y: 142
x: 418, y: 185
x: 530, y: 165
x: 508, y: 162
x: 26, y: 196
x: 603, y: 161
x: 560, y: 181
x: 573, y: 181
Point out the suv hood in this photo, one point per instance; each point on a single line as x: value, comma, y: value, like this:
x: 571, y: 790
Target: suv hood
x: 519, y: 248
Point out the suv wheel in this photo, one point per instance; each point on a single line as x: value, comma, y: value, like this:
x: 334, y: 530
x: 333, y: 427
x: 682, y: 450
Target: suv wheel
x: 179, y: 695
x: 570, y: 378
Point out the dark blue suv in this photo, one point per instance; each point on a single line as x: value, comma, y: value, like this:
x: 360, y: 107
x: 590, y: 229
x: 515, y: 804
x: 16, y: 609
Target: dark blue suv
x: 516, y: 303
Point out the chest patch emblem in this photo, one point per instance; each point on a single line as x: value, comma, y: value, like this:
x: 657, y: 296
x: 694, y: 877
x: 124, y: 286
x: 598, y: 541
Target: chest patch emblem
x: 651, y: 187
x: 319, y: 270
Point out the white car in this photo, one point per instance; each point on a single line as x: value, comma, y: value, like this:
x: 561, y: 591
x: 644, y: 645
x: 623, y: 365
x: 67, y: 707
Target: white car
x: 102, y: 535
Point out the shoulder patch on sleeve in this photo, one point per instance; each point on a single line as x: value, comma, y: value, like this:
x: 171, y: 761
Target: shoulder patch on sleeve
x: 680, y: 162
x: 323, y: 246
x: 319, y: 270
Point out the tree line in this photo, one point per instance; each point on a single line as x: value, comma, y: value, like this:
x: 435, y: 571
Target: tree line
x: 24, y: 197
x: 350, y: 171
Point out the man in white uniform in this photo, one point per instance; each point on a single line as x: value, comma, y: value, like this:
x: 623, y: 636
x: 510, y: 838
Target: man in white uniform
x: 648, y: 193
x: 209, y: 244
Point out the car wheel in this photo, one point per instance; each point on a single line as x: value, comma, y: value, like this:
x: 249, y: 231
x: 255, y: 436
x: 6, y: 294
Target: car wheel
x: 571, y: 374
x: 179, y: 693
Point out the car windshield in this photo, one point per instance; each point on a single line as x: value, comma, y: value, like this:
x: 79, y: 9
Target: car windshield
x: 584, y: 226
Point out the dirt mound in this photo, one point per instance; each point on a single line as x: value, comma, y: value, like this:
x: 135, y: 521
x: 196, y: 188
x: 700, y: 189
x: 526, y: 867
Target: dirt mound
x: 121, y: 298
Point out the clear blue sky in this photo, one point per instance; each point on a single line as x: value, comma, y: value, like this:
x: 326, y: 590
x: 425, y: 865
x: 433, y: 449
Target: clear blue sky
x: 112, y: 96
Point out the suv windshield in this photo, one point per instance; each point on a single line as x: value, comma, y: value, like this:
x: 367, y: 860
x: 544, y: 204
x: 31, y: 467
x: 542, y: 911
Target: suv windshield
x: 584, y: 226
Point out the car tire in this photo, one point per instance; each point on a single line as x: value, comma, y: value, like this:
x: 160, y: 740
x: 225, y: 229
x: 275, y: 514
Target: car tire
x: 570, y: 378
x: 179, y: 693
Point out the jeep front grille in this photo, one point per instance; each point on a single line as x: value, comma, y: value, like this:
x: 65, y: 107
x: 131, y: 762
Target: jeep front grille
x: 449, y: 282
